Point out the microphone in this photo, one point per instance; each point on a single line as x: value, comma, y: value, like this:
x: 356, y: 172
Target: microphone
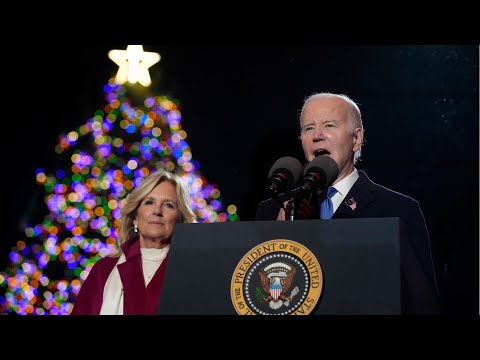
x: 318, y: 174
x: 283, y: 175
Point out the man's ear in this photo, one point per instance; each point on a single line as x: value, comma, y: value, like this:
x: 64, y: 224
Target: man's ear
x: 357, y: 139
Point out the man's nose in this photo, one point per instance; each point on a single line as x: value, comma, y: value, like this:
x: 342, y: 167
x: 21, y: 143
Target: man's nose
x: 317, y: 133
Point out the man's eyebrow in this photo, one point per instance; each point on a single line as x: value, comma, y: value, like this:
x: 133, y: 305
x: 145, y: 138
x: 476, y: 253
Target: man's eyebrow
x: 319, y: 122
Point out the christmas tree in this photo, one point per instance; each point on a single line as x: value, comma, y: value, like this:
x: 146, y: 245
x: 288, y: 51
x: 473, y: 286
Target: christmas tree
x: 103, y: 160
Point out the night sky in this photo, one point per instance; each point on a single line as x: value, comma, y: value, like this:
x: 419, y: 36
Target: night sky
x: 240, y: 106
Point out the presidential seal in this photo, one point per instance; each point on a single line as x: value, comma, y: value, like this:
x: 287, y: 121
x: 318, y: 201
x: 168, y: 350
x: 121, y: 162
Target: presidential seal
x: 277, y: 277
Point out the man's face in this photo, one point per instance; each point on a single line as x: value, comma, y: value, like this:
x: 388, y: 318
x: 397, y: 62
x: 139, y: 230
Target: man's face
x: 326, y: 130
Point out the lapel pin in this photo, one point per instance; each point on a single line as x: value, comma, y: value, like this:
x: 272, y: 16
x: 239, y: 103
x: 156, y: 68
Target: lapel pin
x: 352, y: 203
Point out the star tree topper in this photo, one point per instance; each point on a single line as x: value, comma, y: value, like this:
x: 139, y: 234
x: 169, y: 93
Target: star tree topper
x: 133, y: 64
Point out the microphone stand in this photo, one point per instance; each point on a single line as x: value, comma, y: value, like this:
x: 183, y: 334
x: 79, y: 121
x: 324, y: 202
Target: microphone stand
x: 291, y: 214
x: 289, y: 207
x: 292, y: 205
x: 296, y: 196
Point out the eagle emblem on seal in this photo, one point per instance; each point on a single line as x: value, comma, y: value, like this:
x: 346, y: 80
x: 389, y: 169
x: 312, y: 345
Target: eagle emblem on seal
x: 276, y: 281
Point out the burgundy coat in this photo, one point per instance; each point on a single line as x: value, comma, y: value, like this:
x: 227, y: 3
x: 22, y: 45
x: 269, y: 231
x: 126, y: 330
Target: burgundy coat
x: 137, y: 300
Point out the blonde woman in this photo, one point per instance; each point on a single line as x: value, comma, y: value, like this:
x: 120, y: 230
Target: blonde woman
x: 130, y: 281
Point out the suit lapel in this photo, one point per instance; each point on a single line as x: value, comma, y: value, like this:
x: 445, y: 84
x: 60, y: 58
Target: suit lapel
x: 358, y: 198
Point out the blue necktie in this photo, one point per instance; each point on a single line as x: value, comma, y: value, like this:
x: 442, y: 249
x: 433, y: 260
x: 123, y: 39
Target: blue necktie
x: 326, y: 208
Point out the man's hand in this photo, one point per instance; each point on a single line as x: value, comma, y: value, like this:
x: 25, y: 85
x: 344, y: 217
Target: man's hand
x: 305, y: 210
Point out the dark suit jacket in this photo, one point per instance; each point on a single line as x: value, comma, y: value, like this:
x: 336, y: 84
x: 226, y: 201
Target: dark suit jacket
x: 137, y: 300
x: 419, y: 288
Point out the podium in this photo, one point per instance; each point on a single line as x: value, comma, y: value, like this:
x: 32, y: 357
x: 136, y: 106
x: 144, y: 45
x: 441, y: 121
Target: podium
x: 359, y: 266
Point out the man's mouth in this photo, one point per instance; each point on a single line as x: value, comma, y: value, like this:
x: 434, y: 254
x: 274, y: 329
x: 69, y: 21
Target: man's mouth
x: 320, y: 152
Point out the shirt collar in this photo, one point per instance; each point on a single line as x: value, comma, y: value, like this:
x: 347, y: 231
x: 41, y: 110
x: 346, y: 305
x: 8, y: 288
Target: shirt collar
x: 344, y: 185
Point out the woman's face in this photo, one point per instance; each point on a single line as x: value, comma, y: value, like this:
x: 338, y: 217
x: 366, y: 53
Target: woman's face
x: 157, y: 215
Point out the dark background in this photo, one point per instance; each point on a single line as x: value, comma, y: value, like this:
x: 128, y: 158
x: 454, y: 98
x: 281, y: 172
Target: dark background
x: 240, y: 106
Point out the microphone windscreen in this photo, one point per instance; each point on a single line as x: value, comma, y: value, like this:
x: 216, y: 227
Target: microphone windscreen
x: 325, y: 167
x: 290, y: 164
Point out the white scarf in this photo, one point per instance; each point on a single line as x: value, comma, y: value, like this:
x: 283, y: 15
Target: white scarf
x: 113, y: 291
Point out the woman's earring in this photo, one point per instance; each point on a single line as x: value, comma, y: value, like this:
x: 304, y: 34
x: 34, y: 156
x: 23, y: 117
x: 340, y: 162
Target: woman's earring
x: 135, y: 228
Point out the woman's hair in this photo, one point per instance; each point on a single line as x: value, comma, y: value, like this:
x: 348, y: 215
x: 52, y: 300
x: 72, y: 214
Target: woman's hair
x: 129, y: 210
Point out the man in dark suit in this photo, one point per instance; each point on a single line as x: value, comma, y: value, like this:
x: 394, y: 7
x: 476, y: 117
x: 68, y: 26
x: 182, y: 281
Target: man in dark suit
x: 331, y: 125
